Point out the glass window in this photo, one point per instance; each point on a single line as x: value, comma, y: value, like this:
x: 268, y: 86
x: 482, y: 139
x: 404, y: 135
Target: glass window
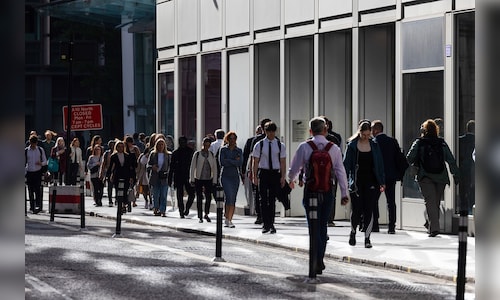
x: 212, y: 95
x: 188, y: 96
x: 465, y: 98
x: 166, y: 87
x: 423, y: 98
x: 422, y: 43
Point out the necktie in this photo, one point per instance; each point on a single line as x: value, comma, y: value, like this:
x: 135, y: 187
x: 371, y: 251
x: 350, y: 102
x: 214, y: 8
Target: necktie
x: 270, y: 157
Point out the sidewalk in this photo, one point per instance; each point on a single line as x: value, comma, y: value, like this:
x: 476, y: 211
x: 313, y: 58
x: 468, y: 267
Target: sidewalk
x: 410, y: 251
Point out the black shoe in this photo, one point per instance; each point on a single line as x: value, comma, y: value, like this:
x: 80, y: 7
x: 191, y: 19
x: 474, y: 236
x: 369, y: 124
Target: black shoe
x: 426, y: 224
x: 352, y: 239
x: 433, y: 234
x: 376, y: 229
x: 258, y: 221
x: 391, y: 231
x: 200, y: 221
x: 368, y: 244
x: 207, y: 218
x: 331, y: 224
x: 273, y: 230
x: 186, y: 213
x: 110, y: 204
x: 182, y: 216
x: 327, y: 237
x: 265, y: 230
x: 319, y: 268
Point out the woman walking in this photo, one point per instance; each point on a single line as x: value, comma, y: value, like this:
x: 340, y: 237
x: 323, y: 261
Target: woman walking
x: 365, y: 174
x: 93, y: 165
x: 230, y: 159
x: 428, y: 153
x: 159, y: 165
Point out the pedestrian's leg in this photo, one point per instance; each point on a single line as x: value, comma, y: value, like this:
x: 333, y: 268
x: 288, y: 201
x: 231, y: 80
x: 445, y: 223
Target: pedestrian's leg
x: 208, y: 197
x: 180, y: 200
x: 199, y: 198
x: 430, y: 194
x: 390, y: 194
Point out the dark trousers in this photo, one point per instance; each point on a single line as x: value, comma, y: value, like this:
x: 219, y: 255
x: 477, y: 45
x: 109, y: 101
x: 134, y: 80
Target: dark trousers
x: 74, y: 168
x: 34, y: 183
x: 110, y: 190
x: 180, y: 185
x: 332, y: 214
x: 98, y: 190
x: 363, y: 203
x: 325, y: 203
x: 390, y: 195
x: 203, y: 187
x: 269, y: 183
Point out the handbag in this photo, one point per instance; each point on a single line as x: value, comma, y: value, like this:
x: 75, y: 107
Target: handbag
x: 53, y: 165
x: 130, y: 195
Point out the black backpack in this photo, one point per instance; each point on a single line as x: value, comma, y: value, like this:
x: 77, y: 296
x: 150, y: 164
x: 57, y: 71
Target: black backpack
x: 432, y: 155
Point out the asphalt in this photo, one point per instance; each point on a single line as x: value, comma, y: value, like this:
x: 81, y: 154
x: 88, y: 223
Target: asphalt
x: 408, y: 251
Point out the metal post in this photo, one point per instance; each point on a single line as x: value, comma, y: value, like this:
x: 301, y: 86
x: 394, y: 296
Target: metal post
x: 53, y: 204
x: 82, y: 201
x: 26, y: 196
x: 219, y: 200
x: 462, y: 252
x: 119, y: 197
x: 313, y: 236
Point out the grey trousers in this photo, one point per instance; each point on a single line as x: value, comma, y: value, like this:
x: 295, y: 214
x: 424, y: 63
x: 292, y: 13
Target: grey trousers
x: 433, y: 193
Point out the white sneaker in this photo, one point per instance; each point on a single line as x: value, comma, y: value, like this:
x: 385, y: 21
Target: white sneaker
x: 226, y: 223
x: 231, y: 225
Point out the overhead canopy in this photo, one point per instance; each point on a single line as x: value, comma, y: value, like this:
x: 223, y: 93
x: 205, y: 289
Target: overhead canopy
x: 109, y: 13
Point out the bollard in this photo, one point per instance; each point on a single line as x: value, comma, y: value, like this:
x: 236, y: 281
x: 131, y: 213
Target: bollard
x: 53, y: 204
x: 119, y: 197
x: 219, y: 200
x: 26, y: 196
x: 82, y: 201
x: 462, y: 253
x: 313, y: 236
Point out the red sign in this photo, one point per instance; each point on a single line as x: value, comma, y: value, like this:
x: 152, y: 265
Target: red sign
x: 83, y: 117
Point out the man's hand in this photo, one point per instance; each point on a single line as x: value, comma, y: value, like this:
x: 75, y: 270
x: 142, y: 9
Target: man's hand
x: 291, y: 184
x: 344, y: 200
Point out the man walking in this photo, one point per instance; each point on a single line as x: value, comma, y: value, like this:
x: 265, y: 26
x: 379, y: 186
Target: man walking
x: 179, y: 175
x: 300, y: 162
x: 269, y: 169
x: 389, y: 147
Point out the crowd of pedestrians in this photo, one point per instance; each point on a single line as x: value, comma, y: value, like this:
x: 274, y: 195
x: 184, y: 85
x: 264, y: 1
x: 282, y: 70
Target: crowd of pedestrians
x: 149, y: 166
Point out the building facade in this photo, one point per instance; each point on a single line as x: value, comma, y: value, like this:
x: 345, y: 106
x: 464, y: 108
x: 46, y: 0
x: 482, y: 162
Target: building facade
x: 228, y: 63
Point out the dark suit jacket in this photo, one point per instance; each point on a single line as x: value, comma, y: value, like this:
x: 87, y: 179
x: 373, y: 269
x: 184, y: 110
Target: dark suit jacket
x: 389, y: 147
x: 126, y: 171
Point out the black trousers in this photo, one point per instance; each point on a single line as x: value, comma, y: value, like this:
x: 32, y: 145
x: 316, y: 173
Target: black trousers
x: 362, y: 204
x: 390, y: 195
x: 269, y: 184
x: 180, y: 185
x: 34, y: 183
x: 203, y: 187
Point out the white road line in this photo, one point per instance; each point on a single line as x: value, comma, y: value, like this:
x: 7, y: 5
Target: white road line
x: 42, y: 287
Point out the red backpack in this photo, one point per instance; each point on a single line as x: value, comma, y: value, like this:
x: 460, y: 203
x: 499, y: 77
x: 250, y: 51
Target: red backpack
x: 319, y: 172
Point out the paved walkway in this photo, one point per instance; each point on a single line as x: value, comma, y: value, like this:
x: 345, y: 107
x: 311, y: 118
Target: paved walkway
x: 410, y: 251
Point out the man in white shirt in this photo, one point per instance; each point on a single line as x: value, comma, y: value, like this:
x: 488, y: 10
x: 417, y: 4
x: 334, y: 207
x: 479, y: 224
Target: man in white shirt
x: 35, y: 160
x: 219, y: 135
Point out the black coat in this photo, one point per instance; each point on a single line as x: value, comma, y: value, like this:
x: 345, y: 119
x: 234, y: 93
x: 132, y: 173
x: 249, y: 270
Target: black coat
x: 389, y: 147
x: 126, y: 172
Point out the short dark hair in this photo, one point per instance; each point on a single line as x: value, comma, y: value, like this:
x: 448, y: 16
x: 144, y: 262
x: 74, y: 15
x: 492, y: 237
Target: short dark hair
x: 33, y: 139
x: 270, y: 126
x: 264, y: 121
x: 317, y: 125
x: 219, y: 134
x: 377, y: 125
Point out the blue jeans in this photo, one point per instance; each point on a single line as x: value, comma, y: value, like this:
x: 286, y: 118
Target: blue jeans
x: 160, y: 197
x: 324, y: 209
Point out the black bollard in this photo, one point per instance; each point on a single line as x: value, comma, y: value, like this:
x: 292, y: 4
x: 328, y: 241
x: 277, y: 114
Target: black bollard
x: 313, y: 236
x: 26, y: 196
x: 82, y: 201
x: 53, y: 204
x: 462, y: 253
x: 219, y: 200
x: 119, y: 197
